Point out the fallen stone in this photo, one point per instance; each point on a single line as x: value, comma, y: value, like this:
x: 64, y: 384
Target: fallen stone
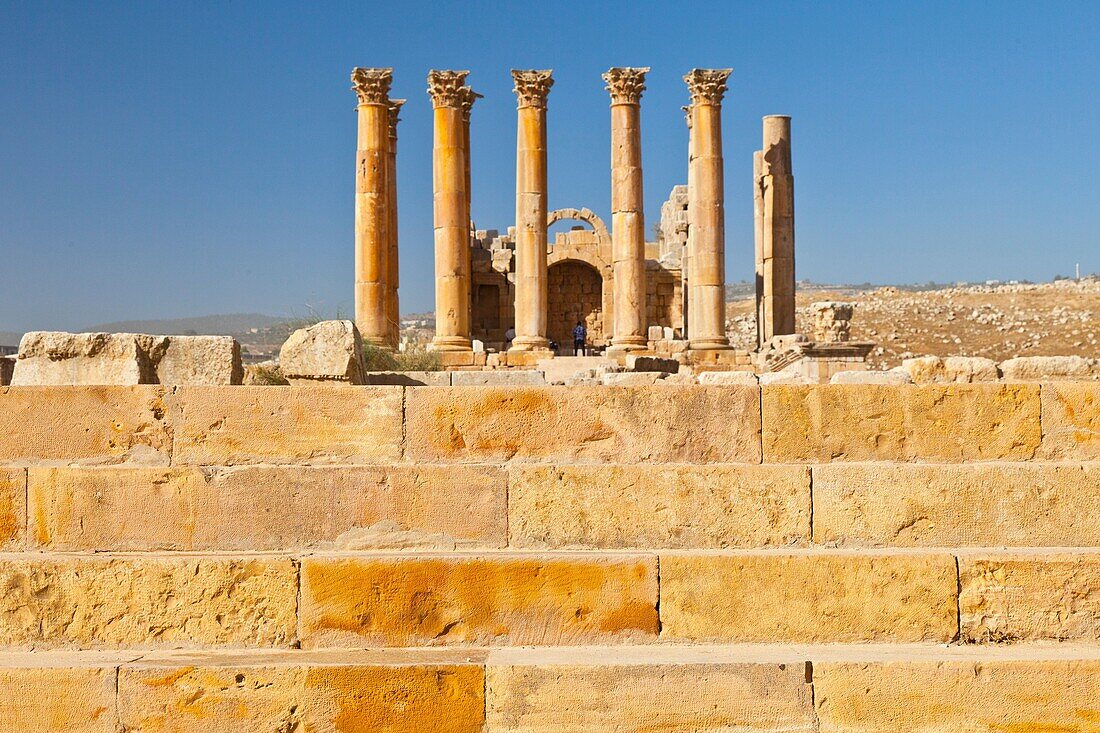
x: 651, y: 364
x: 1030, y: 368
x: 952, y: 369
x: 783, y: 377
x: 501, y: 378
x: 55, y: 358
x: 329, y: 351
x: 409, y: 379
x: 867, y: 376
x: 724, y: 378
x: 632, y: 379
x: 191, y: 360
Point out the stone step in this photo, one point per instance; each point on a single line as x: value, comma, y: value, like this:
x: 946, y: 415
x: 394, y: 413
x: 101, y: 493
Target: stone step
x: 934, y: 689
x: 508, y: 598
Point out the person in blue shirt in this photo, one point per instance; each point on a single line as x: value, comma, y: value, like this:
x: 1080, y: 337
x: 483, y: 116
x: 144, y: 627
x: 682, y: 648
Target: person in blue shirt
x: 579, y: 335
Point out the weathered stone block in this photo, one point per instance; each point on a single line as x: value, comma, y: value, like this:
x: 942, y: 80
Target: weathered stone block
x: 13, y: 507
x: 548, y: 698
x: 674, y: 507
x: 499, y: 378
x: 1047, y: 368
x: 1071, y: 421
x: 267, y: 508
x: 636, y: 363
x: 871, y: 376
x: 318, y: 424
x: 329, y: 351
x: 41, y: 425
x: 727, y: 378
x: 632, y: 379
x: 808, y: 597
x: 898, y: 505
x: 1024, y: 597
x: 955, y: 696
x: 688, y: 424
x: 72, y: 699
x: 55, y: 358
x: 839, y: 422
x: 192, y: 360
x: 409, y: 379
x: 479, y: 600
x: 333, y: 693
x: 58, y: 601
x: 951, y: 369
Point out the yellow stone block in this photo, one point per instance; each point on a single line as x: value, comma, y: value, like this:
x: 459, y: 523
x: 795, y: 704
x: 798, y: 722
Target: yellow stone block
x: 87, y: 425
x: 56, y: 700
x: 58, y: 601
x: 479, y: 600
x: 232, y: 425
x: 585, y: 424
x: 1071, y: 421
x: 254, y: 697
x: 13, y: 507
x: 1026, y: 597
x: 1016, y: 696
x: 651, y: 697
x: 945, y: 505
x: 673, y: 507
x: 860, y: 422
x: 267, y: 508
x: 808, y: 597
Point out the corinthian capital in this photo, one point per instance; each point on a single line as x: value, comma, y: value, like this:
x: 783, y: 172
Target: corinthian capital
x: 395, y: 110
x: 532, y: 86
x: 371, y: 85
x: 466, y: 101
x: 447, y: 87
x: 707, y: 86
x: 626, y: 84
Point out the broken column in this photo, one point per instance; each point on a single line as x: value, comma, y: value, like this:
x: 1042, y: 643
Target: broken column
x: 531, y: 88
x: 393, y: 303
x: 628, y: 225
x: 777, y: 229
x: 372, y: 198
x: 706, y: 210
x: 451, y: 212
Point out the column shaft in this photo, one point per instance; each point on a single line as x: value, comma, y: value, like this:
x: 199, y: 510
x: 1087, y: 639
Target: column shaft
x: 531, y: 89
x: 758, y: 241
x: 777, y: 241
x: 372, y: 216
x: 627, y: 219
x: 451, y: 214
x: 393, y: 310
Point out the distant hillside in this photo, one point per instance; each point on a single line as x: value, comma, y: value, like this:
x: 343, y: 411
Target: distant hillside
x: 223, y: 324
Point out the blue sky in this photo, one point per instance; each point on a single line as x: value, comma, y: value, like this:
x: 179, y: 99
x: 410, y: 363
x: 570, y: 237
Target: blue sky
x: 176, y: 159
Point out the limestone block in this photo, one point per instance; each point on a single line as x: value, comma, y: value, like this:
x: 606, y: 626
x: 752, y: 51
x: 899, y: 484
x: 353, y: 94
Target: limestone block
x: 266, y: 508
x: 869, y: 376
x: 309, y: 424
x: 409, y: 379
x: 1047, y: 368
x: 548, y: 698
x: 59, y: 601
x: 832, y: 321
x: 13, y: 507
x: 72, y: 699
x: 478, y: 600
x: 501, y: 378
x: 952, y: 369
x: 58, y: 358
x: 848, y: 422
x: 784, y: 377
x: 637, y: 363
x: 329, y: 351
x: 7, y: 369
x: 953, y: 696
x: 673, y: 507
x: 655, y: 333
x: 727, y: 378
x: 1014, y: 505
x: 585, y: 424
x: 347, y: 691
x: 632, y: 379
x: 43, y: 425
x: 808, y: 598
x: 1071, y: 421
x: 478, y: 346
x: 1023, y: 597
x: 190, y: 360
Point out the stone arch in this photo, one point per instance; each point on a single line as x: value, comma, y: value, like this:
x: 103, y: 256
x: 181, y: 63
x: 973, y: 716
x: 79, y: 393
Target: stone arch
x: 586, y: 215
x: 576, y: 292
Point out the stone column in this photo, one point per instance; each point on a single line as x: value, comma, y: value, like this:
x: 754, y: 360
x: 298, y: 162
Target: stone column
x: 469, y: 96
x: 777, y: 228
x: 452, y: 213
x: 706, y: 209
x: 627, y: 221
x: 758, y: 241
x: 372, y: 217
x: 687, y: 276
x: 393, y: 311
x: 531, y: 88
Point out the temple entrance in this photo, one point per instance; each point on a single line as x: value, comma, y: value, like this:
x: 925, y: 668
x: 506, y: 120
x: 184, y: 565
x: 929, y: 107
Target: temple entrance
x: 575, y: 294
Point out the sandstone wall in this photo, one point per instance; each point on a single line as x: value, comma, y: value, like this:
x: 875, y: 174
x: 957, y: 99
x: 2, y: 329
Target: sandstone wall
x: 675, y: 558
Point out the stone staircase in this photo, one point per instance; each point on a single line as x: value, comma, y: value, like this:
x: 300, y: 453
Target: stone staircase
x: 674, y: 558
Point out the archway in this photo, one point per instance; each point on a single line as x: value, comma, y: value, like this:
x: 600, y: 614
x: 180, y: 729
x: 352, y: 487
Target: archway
x: 575, y: 293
